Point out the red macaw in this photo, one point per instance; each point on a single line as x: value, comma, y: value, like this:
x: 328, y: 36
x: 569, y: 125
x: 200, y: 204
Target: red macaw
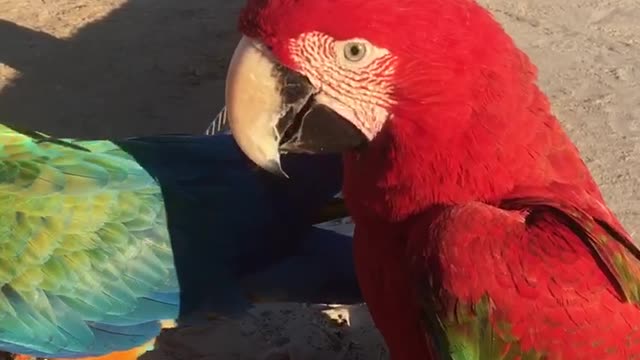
x: 480, y: 232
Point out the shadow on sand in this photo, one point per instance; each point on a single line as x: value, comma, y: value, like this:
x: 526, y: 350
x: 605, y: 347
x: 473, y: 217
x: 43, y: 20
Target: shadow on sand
x: 148, y: 67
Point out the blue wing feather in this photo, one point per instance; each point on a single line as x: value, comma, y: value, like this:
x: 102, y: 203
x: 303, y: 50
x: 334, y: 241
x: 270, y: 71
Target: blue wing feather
x: 237, y: 233
x: 229, y: 219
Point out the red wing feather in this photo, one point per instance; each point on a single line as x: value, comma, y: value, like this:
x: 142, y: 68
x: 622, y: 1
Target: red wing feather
x: 611, y: 244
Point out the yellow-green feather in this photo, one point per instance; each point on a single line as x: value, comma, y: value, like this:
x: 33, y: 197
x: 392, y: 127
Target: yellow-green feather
x: 472, y: 336
x: 71, y: 223
x: 462, y: 331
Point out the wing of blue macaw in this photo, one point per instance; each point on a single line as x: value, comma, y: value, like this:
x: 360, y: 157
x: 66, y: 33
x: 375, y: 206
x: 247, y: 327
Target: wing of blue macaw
x: 103, y: 239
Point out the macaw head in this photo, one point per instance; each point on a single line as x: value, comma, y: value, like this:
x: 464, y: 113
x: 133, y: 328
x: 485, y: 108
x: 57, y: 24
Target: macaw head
x: 373, y: 78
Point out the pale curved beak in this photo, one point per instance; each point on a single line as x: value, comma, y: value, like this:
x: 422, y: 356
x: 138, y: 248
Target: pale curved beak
x: 272, y: 109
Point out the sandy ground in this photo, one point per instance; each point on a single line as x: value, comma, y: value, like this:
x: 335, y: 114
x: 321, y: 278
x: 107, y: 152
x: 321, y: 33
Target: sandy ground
x: 116, y: 67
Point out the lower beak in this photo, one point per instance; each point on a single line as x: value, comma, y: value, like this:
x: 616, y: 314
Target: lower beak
x: 272, y: 110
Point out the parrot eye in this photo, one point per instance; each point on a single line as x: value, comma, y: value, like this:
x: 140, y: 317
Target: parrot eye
x: 355, y: 51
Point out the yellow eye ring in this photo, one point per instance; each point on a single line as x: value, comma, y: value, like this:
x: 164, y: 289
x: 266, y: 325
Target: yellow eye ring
x: 355, y: 51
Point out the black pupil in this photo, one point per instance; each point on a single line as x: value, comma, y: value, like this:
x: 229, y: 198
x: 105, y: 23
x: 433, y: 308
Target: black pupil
x: 354, y: 50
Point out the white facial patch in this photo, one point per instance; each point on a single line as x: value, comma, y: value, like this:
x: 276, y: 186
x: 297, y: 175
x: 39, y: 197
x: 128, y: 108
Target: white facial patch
x: 358, y: 86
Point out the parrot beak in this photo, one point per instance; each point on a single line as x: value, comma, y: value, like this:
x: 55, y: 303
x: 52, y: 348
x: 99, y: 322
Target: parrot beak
x: 272, y: 109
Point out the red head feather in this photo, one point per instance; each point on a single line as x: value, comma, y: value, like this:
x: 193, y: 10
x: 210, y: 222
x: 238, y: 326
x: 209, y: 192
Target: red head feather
x: 468, y: 120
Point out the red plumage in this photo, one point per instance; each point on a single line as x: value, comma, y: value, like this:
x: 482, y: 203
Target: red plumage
x: 472, y: 193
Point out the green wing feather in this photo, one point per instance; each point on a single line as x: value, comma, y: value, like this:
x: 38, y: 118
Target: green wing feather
x: 465, y: 332
x: 81, y: 230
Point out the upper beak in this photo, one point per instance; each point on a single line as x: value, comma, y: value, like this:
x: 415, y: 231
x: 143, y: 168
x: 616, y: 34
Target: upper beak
x: 272, y: 109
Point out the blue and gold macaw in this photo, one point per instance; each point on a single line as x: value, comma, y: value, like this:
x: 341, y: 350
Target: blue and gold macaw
x: 102, y: 240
